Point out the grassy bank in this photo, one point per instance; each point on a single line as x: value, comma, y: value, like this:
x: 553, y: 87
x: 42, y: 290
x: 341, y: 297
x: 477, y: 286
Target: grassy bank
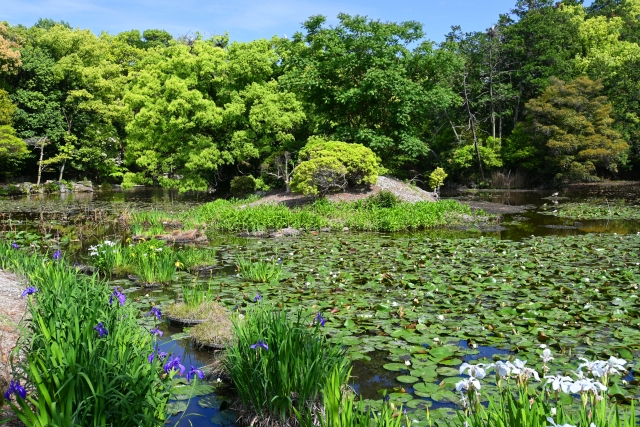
x: 364, y: 215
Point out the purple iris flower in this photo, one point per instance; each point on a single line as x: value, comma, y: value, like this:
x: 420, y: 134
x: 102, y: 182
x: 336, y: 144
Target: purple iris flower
x: 260, y: 344
x: 14, y: 245
x: 161, y: 355
x: 119, y: 295
x: 17, y: 389
x: 102, y: 331
x: 320, y: 319
x: 193, y: 372
x: 174, y: 365
x: 155, y: 311
x: 57, y: 254
x: 30, y: 290
x: 156, y: 331
x: 386, y: 398
x: 257, y: 298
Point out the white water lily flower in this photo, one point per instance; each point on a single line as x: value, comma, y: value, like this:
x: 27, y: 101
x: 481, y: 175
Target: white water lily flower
x: 440, y: 317
x: 553, y: 423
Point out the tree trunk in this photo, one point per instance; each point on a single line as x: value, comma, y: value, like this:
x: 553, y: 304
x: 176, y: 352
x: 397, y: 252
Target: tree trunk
x: 64, y: 162
x: 472, y: 122
x: 40, y: 162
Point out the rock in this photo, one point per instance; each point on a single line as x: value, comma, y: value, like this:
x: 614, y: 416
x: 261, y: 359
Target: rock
x: 84, y: 187
x: 345, y: 228
x: 252, y: 234
x: 325, y: 230
x: 285, y: 232
x: 290, y: 231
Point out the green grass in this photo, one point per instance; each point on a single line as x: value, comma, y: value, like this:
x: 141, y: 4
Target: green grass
x: 191, y: 257
x: 154, y: 262
x: 362, y: 215
x: 73, y: 376
x: 340, y: 409
x: 260, y: 271
x: 289, y: 374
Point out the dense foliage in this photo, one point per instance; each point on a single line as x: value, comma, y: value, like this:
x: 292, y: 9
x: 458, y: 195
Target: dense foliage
x: 192, y: 112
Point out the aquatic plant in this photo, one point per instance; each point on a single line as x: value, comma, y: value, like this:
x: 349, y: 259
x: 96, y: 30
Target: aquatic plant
x: 278, y: 363
x: 153, y: 261
x: 261, y: 271
x: 76, y: 340
x: 193, y: 257
x: 108, y: 255
x: 520, y: 404
x: 588, y: 211
x: 340, y: 408
x: 223, y: 215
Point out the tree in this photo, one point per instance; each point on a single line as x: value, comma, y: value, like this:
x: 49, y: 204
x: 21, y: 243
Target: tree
x: 9, y: 52
x: 361, y: 83
x: 12, y: 149
x: 436, y: 179
x: 198, y: 107
x: 328, y: 166
x: 576, y: 124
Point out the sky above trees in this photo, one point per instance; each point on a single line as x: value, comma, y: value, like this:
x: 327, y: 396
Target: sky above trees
x: 247, y: 20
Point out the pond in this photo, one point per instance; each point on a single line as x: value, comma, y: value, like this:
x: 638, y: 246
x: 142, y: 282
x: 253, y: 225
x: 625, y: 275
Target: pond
x: 408, y: 308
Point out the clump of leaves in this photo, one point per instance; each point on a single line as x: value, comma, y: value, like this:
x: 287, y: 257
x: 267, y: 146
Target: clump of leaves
x: 261, y: 271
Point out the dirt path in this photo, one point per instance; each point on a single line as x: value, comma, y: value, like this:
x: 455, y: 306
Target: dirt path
x: 12, y: 310
x: 403, y: 191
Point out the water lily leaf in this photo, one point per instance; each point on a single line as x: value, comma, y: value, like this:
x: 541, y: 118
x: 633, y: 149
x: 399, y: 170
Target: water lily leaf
x: 224, y: 418
x: 408, y: 379
x: 395, y: 367
x: 174, y: 408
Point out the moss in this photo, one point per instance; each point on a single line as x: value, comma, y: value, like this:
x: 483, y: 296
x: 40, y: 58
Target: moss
x: 210, y: 311
x: 216, y: 333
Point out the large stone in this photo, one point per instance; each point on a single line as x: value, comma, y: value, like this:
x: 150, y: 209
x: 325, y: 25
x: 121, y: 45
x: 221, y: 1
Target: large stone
x: 82, y: 187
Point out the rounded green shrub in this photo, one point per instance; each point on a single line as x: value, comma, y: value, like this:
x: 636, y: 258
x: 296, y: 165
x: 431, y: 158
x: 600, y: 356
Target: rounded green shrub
x: 319, y: 176
x: 243, y: 185
x: 360, y: 162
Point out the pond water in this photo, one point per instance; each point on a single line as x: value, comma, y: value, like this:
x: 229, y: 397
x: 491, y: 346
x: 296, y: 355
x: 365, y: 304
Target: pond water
x: 409, y: 308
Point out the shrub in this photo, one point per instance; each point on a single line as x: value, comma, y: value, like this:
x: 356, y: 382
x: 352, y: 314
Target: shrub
x: 360, y: 161
x: 383, y: 199
x: 436, y: 179
x: 319, y: 176
x: 278, y: 363
x: 51, y: 187
x: 243, y: 185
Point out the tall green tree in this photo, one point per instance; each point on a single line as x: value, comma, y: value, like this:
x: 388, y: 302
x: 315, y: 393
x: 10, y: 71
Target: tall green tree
x: 574, y: 122
x: 362, y: 83
x: 197, y: 107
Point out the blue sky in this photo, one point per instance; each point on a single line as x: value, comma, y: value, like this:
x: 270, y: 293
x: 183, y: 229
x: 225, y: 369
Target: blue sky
x: 246, y: 20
